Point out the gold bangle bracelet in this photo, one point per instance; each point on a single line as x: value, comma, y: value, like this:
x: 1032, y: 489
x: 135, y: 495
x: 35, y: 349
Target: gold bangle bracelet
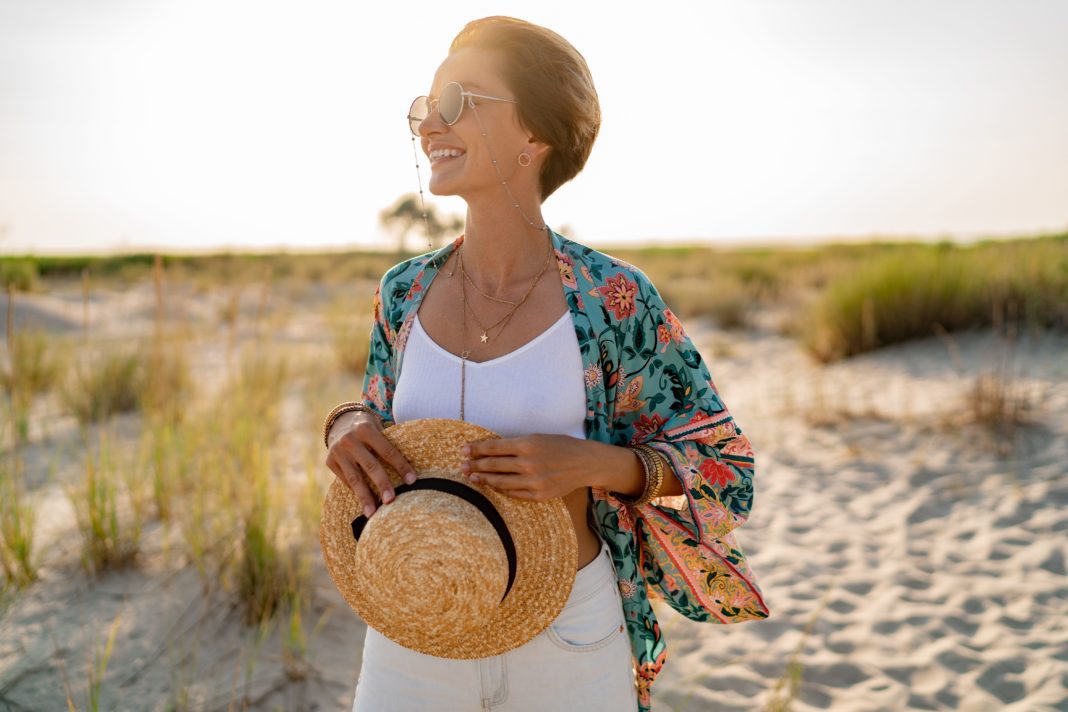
x: 344, y: 408
x: 650, y: 480
x: 653, y: 468
x: 658, y: 471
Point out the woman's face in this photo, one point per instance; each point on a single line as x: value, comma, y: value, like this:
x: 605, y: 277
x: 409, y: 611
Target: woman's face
x: 472, y: 173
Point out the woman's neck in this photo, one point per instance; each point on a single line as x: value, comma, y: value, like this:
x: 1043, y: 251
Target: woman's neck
x: 500, y: 260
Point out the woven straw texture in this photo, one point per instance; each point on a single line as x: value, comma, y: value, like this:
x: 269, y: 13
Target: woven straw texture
x: 429, y: 569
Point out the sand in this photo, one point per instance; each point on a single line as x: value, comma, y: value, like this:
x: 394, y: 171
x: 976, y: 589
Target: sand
x: 911, y: 559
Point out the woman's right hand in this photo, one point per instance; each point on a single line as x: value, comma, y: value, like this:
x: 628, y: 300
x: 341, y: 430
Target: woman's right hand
x: 358, y: 453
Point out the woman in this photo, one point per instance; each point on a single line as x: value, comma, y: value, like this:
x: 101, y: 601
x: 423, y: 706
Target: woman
x: 575, y: 367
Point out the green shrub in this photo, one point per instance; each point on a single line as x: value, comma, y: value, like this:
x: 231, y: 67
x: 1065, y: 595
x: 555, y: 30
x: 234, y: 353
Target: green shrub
x: 907, y: 294
x: 20, y: 273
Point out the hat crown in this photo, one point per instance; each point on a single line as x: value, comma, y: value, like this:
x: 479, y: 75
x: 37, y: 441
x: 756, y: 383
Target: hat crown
x: 458, y: 585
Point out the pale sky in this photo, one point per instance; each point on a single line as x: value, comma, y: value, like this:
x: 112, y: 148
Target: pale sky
x: 214, y: 124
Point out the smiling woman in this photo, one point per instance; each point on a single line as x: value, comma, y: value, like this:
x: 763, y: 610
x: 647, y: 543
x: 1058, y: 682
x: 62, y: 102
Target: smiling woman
x: 600, y: 396
x: 546, y: 79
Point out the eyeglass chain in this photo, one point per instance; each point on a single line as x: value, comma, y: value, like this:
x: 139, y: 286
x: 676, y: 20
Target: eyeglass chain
x: 459, y: 257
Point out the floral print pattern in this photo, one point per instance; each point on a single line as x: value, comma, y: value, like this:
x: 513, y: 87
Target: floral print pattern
x: 645, y: 383
x: 618, y: 293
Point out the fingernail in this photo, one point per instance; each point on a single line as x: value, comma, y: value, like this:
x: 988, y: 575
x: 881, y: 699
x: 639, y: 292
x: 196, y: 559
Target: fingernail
x: 410, y: 478
x: 387, y: 497
x: 466, y: 449
x: 475, y: 478
x: 465, y: 466
x: 367, y: 510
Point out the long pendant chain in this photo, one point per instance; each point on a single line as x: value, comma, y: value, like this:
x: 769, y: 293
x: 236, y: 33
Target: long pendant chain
x: 463, y: 352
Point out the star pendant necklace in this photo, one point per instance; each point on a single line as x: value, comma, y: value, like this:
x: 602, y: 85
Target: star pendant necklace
x: 515, y: 305
x: 465, y: 352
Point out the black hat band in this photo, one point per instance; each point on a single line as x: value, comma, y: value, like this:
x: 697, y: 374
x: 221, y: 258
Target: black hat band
x: 473, y: 496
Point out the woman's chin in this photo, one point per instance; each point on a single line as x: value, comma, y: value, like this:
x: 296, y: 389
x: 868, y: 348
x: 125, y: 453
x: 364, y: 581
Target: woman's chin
x: 441, y: 186
x: 445, y: 188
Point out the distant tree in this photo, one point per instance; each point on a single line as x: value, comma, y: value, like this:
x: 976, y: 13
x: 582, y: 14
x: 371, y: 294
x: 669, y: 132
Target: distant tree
x: 406, y: 215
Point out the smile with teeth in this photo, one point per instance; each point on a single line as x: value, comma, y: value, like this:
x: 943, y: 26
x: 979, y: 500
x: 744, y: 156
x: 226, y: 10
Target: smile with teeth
x: 442, y: 154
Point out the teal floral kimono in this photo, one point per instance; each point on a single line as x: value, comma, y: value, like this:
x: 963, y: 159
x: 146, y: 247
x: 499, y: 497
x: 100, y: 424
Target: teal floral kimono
x: 645, y: 383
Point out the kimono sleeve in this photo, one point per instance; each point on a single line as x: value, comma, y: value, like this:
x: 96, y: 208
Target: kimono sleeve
x: 676, y: 409
x: 379, y: 379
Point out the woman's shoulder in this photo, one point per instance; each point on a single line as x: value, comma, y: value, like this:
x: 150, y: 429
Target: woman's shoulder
x: 408, y: 269
x: 602, y: 265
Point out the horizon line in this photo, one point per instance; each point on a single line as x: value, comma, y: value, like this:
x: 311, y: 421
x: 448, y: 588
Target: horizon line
x: 755, y: 242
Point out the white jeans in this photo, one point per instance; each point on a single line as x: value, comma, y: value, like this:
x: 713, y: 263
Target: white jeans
x: 582, y: 661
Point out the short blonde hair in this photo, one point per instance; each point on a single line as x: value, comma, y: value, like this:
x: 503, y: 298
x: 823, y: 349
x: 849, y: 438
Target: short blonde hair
x: 558, y: 103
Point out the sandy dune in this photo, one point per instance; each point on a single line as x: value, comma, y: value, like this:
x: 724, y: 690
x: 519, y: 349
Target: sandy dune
x: 910, y: 560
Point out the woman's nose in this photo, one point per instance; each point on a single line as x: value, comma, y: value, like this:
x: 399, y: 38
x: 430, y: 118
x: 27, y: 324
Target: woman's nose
x: 432, y: 123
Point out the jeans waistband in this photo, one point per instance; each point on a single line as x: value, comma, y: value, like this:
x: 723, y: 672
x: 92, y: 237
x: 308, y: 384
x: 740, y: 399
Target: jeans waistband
x: 599, y: 572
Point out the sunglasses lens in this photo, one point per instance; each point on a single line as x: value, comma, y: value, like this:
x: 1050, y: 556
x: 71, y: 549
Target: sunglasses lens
x: 451, y: 103
x: 417, y: 113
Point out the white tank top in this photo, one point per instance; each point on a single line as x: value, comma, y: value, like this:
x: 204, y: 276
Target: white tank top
x: 536, y: 388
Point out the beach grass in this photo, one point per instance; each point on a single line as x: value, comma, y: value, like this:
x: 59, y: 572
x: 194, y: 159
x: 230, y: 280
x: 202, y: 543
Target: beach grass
x: 998, y: 399
x: 109, y: 507
x: 99, y: 665
x: 17, y: 517
x: 261, y: 571
x: 852, y: 298
x: 211, y: 463
x: 168, y: 382
x: 909, y: 294
x: 350, y: 328
x: 32, y: 369
x: 103, y: 384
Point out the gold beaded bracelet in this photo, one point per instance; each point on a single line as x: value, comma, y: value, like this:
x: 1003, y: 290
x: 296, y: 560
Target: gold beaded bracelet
x: 344, y: 408
x: 653, y: 467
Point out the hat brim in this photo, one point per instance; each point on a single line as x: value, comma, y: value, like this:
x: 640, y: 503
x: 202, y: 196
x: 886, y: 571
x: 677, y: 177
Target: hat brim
x: 545, y: 545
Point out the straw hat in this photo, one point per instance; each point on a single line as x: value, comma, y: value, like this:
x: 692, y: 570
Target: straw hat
x: 449, y: 568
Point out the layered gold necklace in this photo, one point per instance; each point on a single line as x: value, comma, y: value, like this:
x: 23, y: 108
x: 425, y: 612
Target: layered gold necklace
x: 484, y: 337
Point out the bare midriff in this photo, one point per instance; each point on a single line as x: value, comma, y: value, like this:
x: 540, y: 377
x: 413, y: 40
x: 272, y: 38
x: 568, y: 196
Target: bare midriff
x: 589, y: 544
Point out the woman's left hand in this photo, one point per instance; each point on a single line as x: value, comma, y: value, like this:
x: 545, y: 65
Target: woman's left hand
x: 537, y: 467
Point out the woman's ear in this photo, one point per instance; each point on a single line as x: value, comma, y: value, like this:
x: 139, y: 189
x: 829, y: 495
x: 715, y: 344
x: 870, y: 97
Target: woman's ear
x: 537, y: 149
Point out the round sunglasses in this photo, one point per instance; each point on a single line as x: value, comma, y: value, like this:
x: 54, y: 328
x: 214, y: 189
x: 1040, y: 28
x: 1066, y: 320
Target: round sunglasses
x: 450, y: 105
